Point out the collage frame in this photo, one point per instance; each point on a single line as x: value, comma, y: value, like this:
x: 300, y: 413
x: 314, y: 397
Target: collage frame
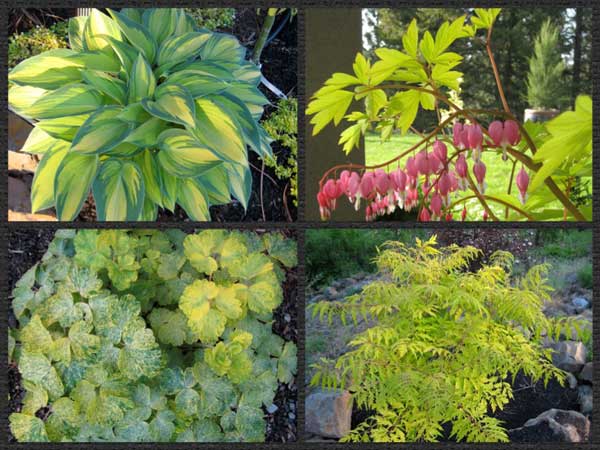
x: 300, y: 225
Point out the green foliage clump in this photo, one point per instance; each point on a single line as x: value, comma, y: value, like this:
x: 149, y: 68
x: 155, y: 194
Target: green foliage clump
x: 586, y: 276
x: 566, y: 244
x: 282, y: 126
x: 146, y: 110
x: 37, y: 40
x: 545, y: 83
x: 151, y: 336
x: 212, y: 18
x: 443, y: 345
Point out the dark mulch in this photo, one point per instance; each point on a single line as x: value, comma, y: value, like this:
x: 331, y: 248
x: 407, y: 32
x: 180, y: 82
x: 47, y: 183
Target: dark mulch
x: 26, y: 247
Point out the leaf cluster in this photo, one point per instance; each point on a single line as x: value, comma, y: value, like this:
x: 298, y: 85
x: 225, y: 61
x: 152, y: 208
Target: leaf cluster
x: 443, y: 343
x: 151, y: 336
x: 146, y: 110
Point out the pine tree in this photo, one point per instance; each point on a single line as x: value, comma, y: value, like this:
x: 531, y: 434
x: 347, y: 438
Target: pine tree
x: 545, y: 81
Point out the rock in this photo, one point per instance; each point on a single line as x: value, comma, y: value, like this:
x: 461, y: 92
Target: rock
x: 16, y: 216
x: 571, y: 380
x: 328, y: 414
x: 272, y: 408
x: 580, y: 304
x: 331, y: 293
x: 586, y: 399
x: 587, y: 373
x: 18, y: 194
x: 554, y: 425
x: 569, y: 355
x: 18, y: 131
x: 21, y: 162
x: 317, y: 298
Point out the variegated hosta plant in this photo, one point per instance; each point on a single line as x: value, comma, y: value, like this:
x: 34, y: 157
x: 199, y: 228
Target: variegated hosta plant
x: 146, y: 110
x: 151, y: 336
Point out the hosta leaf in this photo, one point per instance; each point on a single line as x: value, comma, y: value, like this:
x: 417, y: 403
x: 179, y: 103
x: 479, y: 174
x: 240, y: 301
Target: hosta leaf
x: 179, y: 48
x: 240, y: 182
x: 160, y: 22
x: 215, y: 184
x: 69, y: 100
x: 118, y: 190
x: 182, y: 155
x: 126, y: 54
x: 287, y: 363
x: 26, y: 428
x: 76, y: 29
x: 169, y: 188
x: 148, y: 165
x: 198, y: 83
x: 49, y: 70
x: 74, y: 178
x: 134, y: 113
x: 22, y: 97
x: 141, y: 81
x: 222, y: 47
x: 219, y: 132
x: 244, y: 119
x: 42, y: 186
x: 63, y: 127
x: 192, y: 199
x: 110, y: 86
x: 101, y: 132
x: 99, y: 25
x: 203, y: 319
x: 137, y: 34
x: 98, y: 60
x: 134, y: 14
x: 173, y: 104
x: 146, y: 135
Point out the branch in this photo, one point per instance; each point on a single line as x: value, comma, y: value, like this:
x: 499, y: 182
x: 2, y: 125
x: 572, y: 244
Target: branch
x: 264, y: 34
x: 497, y: 200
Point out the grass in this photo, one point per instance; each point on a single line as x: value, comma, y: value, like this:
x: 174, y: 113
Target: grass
x: 497, y: 173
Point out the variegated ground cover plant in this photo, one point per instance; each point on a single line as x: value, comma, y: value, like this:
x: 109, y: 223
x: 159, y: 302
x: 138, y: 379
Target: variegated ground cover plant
x: 144, y: 109
x: 151, y: 336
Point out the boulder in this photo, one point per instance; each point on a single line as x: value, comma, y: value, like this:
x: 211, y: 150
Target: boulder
x: 569, y: 355
x: 586, y: 399
x: 554, y: 425
x: 580, y: 304
x: 21, y: 162
x: 587, y: 373
x: 329, y: 413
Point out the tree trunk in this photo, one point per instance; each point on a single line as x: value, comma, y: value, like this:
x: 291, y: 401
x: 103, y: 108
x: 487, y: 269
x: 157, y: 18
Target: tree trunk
x: 577, y: 54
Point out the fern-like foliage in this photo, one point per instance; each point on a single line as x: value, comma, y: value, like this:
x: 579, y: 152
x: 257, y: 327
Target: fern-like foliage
x: 443, y: 345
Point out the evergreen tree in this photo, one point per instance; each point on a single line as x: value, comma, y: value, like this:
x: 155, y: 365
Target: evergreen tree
x: 545, y: 81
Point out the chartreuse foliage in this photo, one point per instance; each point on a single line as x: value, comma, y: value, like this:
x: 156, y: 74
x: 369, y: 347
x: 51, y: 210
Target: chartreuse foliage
x: 443, y: 345
x: 151, y: 336
x: 146, y: 110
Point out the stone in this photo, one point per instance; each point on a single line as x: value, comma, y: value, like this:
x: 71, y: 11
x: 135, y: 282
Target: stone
x: 554, y: 425
x: 586, y: 399
x: 329, y: 413
x: 569, y: 355
x: 21, y: 162
x: 17, y: 216
x: 18, y: 194
x: 587, y: 373
x: 18, y: 131
x: 571, y: 381
x: 272, y: 408
x: 580, y: 304
x: 331, y: 293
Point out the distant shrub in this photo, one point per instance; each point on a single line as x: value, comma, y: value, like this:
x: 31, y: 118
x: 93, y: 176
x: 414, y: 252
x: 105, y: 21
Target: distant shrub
x: 585, y: 276
x: 37, y: 40
x: 212, y: 18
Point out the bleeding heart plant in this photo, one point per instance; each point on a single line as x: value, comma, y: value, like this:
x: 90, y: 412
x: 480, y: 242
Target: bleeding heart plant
x: 433, y: 176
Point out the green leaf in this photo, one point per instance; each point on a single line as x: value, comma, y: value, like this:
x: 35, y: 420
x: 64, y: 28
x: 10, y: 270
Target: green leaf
x: 410, y: 39
x: 146, y: 135
x: 76, y: 29
x: 215, y: 184
x: 137, y: 34
x: 200, y: 248
x: 118, y: 191
x: 204, y: 320
x: 160, y: 22
x: 191, y: 197
x: 287, y: 363
x: 99, y: 25
x: 141, y: 80
x: 63, y: 127
x: 22, y: 97
x: 42, y: 186
x: 281, y: 248
x: 140, y: 355
x: 250, y: 424
x: 240, y: 182
x: 26, y: 428
x: 174, y: 104
x: 74, y: 178
x: 182, y: 155
x: 170, y: 327
x: 222, y: 47
x: 49, y: 70
x: 69, y: 100
x: 407, y: 103
x: 101, y: 132
x: 263, y: 297
x: 148, y: 165
x: 427, y: 47
x: 176, y: 49
x: 328, y: 107
x: 110, y: 86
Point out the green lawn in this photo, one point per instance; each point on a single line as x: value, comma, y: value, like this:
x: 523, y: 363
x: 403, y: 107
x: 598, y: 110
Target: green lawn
x: 497, y: 173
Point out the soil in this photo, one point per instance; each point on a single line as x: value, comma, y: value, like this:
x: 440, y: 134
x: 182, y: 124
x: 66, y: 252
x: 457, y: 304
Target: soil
x: 26, y: 247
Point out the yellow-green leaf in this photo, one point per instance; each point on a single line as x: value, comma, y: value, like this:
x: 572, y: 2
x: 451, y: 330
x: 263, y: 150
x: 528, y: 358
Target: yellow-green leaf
x: 118, y: 191
x: 72, y: 184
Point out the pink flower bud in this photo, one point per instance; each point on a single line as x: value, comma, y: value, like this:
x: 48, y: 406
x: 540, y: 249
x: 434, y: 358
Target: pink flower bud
x: 463, y: 214
x: 323, y: 206
x: 332, y: 190
x: 353, y: 184
x: 424, y: 216
x: 398, y: 180
x: 496, y: 132
x: 485, y: 215
x: 444, y: 184
x: 368, y: 214
x: 475, y: 137
x: 511, y: 132
x: 479, y: 172
x: 436, y: 205
x: 411, y: 168
x: 422, y: 162
x: 343, y: 181
x: 522, y: 184
x: 457, y: 131
x: 461, y: 166
x: 382, y: 181
x: 449, y: 217
x: 440, y: 151
x: 367, y: 184
x: 435, y: 164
